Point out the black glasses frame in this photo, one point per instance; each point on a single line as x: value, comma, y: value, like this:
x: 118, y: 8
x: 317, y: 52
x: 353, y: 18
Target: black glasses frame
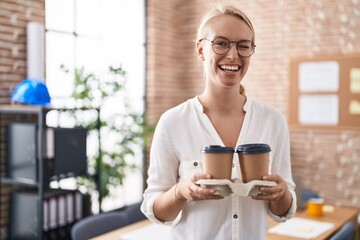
x: 230, y: 45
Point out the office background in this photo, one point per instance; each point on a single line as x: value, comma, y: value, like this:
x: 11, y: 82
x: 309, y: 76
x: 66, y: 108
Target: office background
x: 324, y: 159
x: 327, y: 159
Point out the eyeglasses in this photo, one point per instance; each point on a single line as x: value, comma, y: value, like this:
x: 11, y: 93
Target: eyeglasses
x: 221, y: 46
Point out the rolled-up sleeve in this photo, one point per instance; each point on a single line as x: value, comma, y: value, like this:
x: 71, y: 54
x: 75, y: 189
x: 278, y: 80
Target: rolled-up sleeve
x: 163, y: 169
x: 282, y: 165
x: 289, y: 214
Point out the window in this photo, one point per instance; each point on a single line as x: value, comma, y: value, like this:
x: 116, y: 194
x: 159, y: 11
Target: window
x: 95, y: 34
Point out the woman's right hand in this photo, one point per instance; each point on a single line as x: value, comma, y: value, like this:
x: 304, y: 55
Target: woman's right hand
x: 167, y: 206
x: 189, y: 190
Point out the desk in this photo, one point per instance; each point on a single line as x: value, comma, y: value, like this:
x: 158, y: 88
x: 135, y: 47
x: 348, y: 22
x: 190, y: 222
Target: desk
x: 339, y: 216
x: 116, y: 234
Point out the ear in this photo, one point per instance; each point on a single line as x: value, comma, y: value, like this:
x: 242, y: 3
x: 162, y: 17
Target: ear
x: 200, y: 51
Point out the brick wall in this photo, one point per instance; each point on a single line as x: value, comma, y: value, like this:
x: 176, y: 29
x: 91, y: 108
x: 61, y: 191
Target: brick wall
x: 327, y: 161
x: 170, y: 42
x: 14, y: 15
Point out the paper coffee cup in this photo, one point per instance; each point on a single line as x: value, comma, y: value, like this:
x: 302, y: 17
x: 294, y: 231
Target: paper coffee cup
x: 254, y: 161
x: 217, y: 161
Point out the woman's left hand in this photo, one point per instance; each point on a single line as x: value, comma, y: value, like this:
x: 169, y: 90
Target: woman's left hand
x: 279, y: 196
x: 273, y: 193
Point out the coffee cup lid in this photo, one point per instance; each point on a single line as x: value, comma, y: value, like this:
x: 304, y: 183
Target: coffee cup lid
x: 217, y: 149
x: 253, y: 148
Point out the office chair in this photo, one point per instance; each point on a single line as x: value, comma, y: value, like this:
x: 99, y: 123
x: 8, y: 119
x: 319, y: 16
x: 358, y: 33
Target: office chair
x: 305, y: 196
x: 95, y: 225
x: 134, y: 213
x: 345, y: 233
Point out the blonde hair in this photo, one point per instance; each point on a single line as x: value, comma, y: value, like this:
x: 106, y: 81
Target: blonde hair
x: 219, y: 10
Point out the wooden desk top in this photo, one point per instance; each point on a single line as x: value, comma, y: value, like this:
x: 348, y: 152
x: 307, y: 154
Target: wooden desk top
x: 116, y: 234
x: 338, y: 216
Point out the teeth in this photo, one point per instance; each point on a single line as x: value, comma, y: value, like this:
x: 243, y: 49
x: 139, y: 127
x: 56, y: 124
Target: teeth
x: 230, y: 68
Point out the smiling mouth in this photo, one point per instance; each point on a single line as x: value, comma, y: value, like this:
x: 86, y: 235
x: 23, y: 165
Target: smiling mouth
x: 231, y: 68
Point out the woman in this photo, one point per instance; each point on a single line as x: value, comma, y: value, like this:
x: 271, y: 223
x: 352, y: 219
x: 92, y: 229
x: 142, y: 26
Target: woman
x: 220, y: 115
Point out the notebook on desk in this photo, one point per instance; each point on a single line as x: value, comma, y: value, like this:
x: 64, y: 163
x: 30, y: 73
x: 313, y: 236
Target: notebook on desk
x: 301, y: 228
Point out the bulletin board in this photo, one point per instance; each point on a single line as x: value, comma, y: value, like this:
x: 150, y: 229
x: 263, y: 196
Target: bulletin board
x: 325, y: 92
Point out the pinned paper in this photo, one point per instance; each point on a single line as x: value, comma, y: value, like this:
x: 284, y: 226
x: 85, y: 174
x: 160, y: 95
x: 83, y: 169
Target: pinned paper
x: 354, y: 107
x: 319, y: 76
x: 319, y: 109
x: 355, y: 80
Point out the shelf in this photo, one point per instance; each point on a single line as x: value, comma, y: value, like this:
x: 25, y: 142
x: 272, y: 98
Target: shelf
x: 37, y: 178
x: 29, y: 109
x: 21, y: 109
x: 19, y: 182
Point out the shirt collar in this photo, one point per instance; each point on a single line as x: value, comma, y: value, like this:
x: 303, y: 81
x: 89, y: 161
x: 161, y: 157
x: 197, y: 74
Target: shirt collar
x: 200, y: 107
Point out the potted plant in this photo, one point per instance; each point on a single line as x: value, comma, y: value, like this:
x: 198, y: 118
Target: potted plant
x: 123, y: 126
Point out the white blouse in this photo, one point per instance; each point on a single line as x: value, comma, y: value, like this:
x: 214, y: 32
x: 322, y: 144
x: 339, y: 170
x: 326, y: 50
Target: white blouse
x: 176, y: 154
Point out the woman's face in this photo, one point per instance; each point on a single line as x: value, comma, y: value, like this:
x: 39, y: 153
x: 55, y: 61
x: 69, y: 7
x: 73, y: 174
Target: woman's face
x: 226, y: 70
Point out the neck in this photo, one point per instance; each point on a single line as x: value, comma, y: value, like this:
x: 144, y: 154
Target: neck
x: 224, y: 103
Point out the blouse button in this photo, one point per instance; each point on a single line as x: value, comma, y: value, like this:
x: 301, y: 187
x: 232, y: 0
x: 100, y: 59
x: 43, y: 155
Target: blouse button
x: 195, y: 164
x: 233, y: 165
x: 235, y: 216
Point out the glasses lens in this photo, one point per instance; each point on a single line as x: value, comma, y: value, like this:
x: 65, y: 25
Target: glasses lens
x: 221, y: 45
x: 245, y: 48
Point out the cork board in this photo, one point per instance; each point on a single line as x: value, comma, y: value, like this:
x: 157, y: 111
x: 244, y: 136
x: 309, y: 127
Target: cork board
x: 325, y: 92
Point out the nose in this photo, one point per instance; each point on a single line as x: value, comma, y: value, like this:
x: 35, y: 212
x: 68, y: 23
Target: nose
x: 232, y: 52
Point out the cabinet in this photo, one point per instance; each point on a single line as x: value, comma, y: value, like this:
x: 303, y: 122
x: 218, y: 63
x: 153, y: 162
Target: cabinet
x: 34, y: 154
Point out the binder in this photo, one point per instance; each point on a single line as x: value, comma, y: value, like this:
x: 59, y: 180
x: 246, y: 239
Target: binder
x: 53, y: 223
x: 61, y: 209
x: 22, y: 165
x: 78, y: 206
x: 46, y: 215
x: 70, y: 208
